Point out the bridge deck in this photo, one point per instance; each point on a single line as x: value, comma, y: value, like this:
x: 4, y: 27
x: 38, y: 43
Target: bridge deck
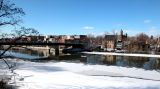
x: 40, y: 43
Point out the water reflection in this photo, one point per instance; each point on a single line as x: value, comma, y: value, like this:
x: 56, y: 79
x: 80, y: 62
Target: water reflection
x: 40, y: 53
x: 95, y: 59
x: 151, y: 64
x: 19, y: 55
x: 123, y: 61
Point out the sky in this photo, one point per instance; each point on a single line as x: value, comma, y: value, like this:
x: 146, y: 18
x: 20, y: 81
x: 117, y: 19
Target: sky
x: 68, y: 17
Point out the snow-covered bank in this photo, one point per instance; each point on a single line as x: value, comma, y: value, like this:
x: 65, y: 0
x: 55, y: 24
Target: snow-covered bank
x: 63, y: 75
x: 123, y: 54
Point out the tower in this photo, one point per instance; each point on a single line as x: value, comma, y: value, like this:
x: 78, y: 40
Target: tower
x: 121, y: 32
x: 121, y: 35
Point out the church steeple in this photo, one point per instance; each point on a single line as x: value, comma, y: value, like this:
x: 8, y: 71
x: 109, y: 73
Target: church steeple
x: 121, y: 32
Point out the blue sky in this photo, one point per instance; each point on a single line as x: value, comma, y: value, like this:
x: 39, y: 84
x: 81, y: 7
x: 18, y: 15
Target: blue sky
x: 66, y: 17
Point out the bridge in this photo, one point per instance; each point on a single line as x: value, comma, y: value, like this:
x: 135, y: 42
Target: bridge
x: 42, y: 43
x: 51, y: 44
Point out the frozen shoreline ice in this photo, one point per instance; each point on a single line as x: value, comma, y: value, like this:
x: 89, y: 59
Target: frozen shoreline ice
x: 123, y: 54
x: 65, y: 75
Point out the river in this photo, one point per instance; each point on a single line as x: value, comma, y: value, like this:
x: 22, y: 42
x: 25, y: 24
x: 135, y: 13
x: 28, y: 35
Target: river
x: 109, y: 60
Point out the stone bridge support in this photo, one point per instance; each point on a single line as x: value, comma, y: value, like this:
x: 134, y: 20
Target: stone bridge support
x: 54, y: 50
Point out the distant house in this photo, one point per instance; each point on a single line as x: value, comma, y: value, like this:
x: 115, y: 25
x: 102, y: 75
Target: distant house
x: 50, y: 38
x: 56, y: 38
x: 5, y: 39
x: 83, y: 39
x: 61, y: 38
x: 33, y: 38
x: 115, y: 41
x: 110, y: 41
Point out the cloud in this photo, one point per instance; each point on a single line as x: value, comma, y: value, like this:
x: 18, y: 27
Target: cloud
x: 91, y: 30
x: 153, y: 31
x: 95, y: 33
x: 147, y: 21
x: 153, y: 28
x: 132, y: 32
x: 121, y: 25
x: 88, y: 28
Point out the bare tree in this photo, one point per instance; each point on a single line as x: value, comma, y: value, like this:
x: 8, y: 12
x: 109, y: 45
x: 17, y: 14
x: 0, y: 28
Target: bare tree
x: 106, y: 33
x: 18, y: 35
x: 114, y: 32
x: 9, y: 13
x: 142, y: 37
x: 24, y: 32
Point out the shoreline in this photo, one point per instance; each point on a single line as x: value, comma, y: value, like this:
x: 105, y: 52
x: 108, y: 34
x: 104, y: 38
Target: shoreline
x: 123, y: 54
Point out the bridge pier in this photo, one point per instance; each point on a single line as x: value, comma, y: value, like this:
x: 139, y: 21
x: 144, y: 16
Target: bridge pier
x: 56, y: 50
x: 52, y: 52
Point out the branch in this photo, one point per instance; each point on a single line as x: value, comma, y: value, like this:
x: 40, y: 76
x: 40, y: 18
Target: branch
x: 10, y: 13
x: 9, y: 23
x: 6, y: 63
x: 10, y: 46
x: 1, y: 4
x: 5, y: 51
x: 5, y: 14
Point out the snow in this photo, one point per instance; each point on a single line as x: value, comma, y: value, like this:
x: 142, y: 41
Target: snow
x: 63, y: 75
x: 69, y: 75
x: 123, y: 54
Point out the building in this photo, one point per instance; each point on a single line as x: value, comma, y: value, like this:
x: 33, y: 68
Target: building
x: 158, y: 44
x: 110, y: 41
x: 83, y: 39
x: 121, y: 41
x: 116, y: 41
x: 5, y: 39
x: 50, y: 38
x: 33, y: 38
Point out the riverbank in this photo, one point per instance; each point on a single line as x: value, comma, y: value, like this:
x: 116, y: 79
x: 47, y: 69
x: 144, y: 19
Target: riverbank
x: 123, y: 54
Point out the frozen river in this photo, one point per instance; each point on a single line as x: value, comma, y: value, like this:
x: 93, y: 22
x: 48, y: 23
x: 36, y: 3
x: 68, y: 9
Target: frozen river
x: 87, y: 71
x: 76, y: 75
x: 100, y: 58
